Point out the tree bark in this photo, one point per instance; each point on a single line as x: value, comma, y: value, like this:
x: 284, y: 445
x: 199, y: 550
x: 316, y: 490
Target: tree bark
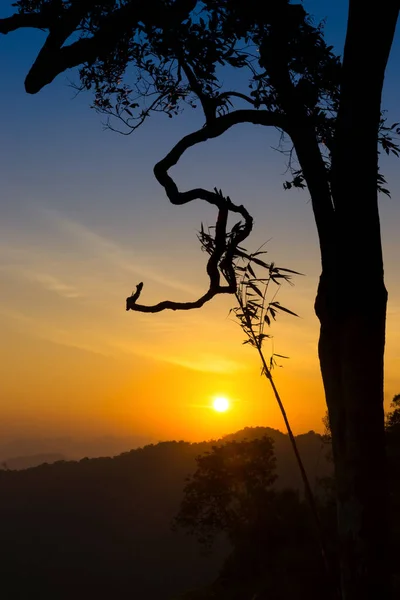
x: 351, y: 356
x: 351, y: 307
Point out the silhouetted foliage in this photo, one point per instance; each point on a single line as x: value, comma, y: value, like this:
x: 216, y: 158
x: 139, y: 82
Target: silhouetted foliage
x: 331, y: 111
x: 271, y: 531
x: 393, y: 417
x: 230, y: 490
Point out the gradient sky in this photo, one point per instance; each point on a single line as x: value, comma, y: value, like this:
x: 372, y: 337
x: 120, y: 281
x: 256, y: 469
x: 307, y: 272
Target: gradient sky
x: 83, y: 221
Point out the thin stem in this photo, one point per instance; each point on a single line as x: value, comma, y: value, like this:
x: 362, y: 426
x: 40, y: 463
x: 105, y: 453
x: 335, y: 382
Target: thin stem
x: 307, y: 487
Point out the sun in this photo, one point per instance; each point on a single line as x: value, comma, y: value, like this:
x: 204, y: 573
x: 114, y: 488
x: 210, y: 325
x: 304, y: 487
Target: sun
x: 221, y: 404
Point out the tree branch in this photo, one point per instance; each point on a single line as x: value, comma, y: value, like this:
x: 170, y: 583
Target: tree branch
x: 22, y: 20
x: 225, y: 246
x: 305, y: 143
x: 213, y: 130
x: 54, y: 58
x: 208, y: 104
x: 221, y: 254
x: 230, y: 94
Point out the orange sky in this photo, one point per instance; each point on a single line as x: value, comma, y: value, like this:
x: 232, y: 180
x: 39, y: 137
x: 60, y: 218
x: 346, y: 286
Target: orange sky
x: 74, y: 362
x: 83, y: 221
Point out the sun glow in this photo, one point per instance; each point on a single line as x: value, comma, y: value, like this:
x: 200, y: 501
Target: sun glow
x: 221, y: 404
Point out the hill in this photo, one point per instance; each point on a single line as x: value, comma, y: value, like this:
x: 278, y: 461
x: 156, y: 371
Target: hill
x: 19, y: 463
x: 100, y: 528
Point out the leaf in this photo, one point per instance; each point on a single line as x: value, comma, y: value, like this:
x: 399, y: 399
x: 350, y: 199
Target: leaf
x: 267, y: 320
x: 275, y: 277
x: 255, y: 288
x: 261, y: 263
x: 289, y: 271
x: 278, y: 306
x: 281, y: 355
x: 256, y: 304
x: 250, y: 268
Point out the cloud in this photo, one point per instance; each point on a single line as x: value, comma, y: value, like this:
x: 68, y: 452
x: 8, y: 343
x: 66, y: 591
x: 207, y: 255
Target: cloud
x: 207, y: 363
x: 112, y: 253
x: 48, y: 332
x: 52, y: 284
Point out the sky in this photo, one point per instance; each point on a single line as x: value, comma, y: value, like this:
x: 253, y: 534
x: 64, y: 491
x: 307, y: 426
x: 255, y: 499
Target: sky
x: 83, y: 221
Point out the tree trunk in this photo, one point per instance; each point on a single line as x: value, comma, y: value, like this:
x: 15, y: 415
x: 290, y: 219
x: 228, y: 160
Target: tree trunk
x: 351, y: 307
x: 351, y: 356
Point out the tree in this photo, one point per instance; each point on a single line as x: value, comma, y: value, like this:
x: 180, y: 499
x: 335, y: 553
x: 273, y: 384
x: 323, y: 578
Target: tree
x: 229, y: 490
x: 231, y: 493
x: 327, y: 108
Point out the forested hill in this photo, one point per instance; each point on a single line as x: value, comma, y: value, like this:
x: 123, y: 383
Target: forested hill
x: 100, y: 528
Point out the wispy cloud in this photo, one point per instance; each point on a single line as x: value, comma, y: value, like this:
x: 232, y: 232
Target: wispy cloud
x: 207, y: 363
x: 51, y: 283
x: 55, y: 285
x: 112, y: 253
x: 48, y: 332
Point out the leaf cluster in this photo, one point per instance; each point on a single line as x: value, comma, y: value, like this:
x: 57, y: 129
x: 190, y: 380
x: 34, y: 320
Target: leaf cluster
x: 256, y: 309
x: 163, y: 55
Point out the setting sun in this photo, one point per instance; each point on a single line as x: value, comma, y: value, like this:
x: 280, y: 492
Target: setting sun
x: 221, y: 404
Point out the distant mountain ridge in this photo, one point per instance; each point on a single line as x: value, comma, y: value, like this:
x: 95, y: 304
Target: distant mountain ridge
x: 73, y: 448
x: 19, y: 463
x: 104, y: 523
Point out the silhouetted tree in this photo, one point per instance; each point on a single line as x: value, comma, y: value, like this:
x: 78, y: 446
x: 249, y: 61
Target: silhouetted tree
x: 231, y: 492
x: 331, y: 111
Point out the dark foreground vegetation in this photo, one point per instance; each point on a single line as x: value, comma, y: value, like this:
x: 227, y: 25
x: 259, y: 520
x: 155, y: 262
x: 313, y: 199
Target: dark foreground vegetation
x: 101, y: 528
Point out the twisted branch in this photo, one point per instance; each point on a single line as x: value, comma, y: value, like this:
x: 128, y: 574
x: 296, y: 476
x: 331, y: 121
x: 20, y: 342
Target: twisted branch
x: 226, y: 246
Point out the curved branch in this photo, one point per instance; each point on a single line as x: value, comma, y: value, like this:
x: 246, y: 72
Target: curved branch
x: 223, y: 248
x: 221, y: 259
x: 170, y: 305
x: 209, y: 131
x: 50, y: 62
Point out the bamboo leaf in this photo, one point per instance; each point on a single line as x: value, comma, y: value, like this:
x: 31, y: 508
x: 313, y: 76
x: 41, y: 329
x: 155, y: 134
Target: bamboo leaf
x: 255, y: 288
x: 261, y: 263
x: 278, y: 306
x: 253, y: 303
x: 289, y: 271
x: 250, y: 268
